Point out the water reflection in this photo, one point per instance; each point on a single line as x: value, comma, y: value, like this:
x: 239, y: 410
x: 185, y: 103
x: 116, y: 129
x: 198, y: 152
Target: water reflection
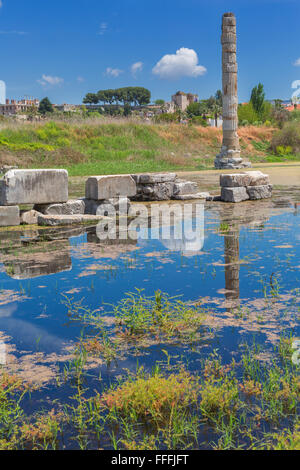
x: 100, y: 272
x: 49, y: 263
x: 232, y: 264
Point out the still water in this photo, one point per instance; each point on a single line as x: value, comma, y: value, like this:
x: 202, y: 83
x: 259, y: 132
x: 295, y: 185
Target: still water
x: 248, y: 252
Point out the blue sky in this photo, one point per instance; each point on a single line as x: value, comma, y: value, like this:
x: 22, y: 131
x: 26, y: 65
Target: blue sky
x: 66, y: 48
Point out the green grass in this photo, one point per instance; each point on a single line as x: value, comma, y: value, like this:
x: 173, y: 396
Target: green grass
x: 107, y: 146
x: 118, y: 167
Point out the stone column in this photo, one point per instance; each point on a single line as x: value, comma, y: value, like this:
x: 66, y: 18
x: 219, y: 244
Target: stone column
x: 230, y: 155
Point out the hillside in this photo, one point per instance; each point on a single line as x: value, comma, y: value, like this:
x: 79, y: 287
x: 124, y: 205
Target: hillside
x: 122, y: 146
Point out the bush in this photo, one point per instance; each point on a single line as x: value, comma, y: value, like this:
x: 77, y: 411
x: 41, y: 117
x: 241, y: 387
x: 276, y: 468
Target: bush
x: 266, y: 112
x: 199, y: 121
x: 246, y: 112
x: 167, y: 117
x: 288, y: 137
x: 280, y: 116
x: 195, y: 109
x: 154, y: 396
x: 295, y: 115
x: 283, y: 151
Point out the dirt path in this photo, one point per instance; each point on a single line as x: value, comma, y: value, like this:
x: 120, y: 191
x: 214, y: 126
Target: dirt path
x: 281, y: 174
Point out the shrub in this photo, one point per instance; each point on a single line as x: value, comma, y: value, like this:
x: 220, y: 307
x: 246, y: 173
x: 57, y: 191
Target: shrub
x: 287, y: 440
x: 199, y: 121
x: 219, y: 398
x: 280, y: 116
x: 195, y: 109
x: 287, y: 138
x: 283, y: 151
x: 153, y: 396
x: 246, y: 112
x: 167, y: 117
x: 295, y: 115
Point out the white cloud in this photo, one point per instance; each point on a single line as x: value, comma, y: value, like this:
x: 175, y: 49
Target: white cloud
x: 182, y: 64
x: 136, y: 68
x: 1, y: 4
x: 296, y: 84
x: 49, y: 80
x: 113, y: 72
x: 102, y: 29
x: 80, y: 79
x: 297, y: 62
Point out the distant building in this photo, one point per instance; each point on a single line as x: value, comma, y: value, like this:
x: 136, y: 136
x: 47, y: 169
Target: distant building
x: 292, y: 107
x: 215, y: 123
x: 183, y: 100
x: 2, y: 92
x: 13, y: 107
x: 180, y: 101
x: 65, y: 107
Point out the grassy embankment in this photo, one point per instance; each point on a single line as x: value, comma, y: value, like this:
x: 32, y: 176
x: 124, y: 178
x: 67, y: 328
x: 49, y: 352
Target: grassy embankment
x: 105, y: 146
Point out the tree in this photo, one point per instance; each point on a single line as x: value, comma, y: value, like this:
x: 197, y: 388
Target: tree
x: 247, y: 113
x: 45, y: 106
x: 127, y: 110
x: 91, y: 98
x: 258, y: 98
x: 217, y: 111
x: 278, y: 103
x: 199, y: 108
x: 159, y: 102
x: 142, y: 96
x: 219, y: 98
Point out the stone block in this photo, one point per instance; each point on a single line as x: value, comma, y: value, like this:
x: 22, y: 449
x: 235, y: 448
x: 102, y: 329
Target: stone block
x: 259, y: 192
x: 184, y: 187
x: 155, y: 192
x: 235, y: 180
x: 73, y: 206
x: 56, y: 220
x: 257, y: 178
x: 189, y: 197
x: 33, y: 187
x: 30, y: 217
x: 9, y: 216
x: 234, y: 194
x: 93, y: 207
x: 106, y: 187
x: 152, y: 178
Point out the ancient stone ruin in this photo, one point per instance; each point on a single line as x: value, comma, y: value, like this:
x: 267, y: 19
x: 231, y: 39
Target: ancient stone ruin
x: 240, y: 187
x: 105, y: 196
x: 230, y: 155
x: 163, y: 187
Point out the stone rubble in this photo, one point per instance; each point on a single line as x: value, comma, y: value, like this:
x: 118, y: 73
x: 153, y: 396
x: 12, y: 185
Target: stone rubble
x: 30, y: 217
x: 73, y: 206
x: 106, y: 196
x: 164, y: 187
x: 238, y: 187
